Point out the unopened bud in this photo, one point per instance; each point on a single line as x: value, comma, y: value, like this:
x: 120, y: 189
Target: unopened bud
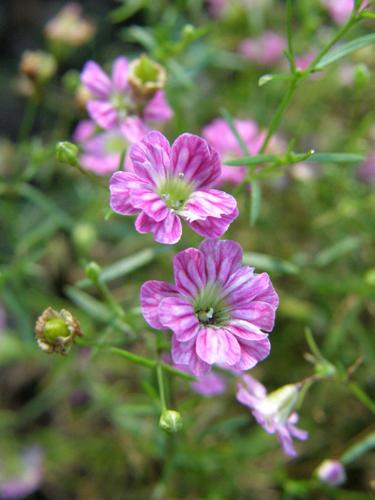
x: 146, y: 76
x: 69, y: 27
x: 37, y: 65
x: 92, y: 271
x: 84, y: 236
x: 67, y: 152
x: 331, y: 472
x: 281, y: 402
x: 171, y: 421
x: 56, y: 331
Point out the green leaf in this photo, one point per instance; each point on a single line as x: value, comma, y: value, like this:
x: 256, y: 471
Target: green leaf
x: 250, y: 160
x: 256, y: 200
x: 334, y: 252
x: 128, y: 9
x: 123, y: 266
x: 269, y: 263
x: 342, y: 51
x: 357, y: 450
x: 264, y: 79
x: 337, y: 157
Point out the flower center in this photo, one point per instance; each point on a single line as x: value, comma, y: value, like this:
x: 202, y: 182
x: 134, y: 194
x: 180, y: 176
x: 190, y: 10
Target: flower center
x: 175, y: 191
x: 209, y: 306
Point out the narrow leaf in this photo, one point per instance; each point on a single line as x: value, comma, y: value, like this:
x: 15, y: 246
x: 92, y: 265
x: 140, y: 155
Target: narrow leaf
x: 256, y: 199
x: 357, y: 450
x: 249, y: 160
x: 342, y: 51
x: 336, y: 157
x: 269, y: 263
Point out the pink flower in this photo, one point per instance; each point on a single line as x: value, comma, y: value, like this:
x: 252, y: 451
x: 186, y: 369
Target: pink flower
x: 340, y: 10
x: 366, y: 171
x: 331, y: 472
x: 25, y: 479
x: 221, y: 138
x: 173, y: 182
x: 113, y: 99
x: 218, y: 310
x: 101, y: 151
x: 265, y: 50
x: 274, y: 412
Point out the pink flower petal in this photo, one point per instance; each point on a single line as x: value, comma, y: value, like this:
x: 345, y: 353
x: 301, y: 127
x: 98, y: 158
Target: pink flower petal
x: 158, y: 109
x: 84, y: 130
x: 96, y: 81
x: 178, y: 315
x: 213, y: 227
x: 120, y: 74
x: 258, y: 313
x: 215, y: 345
x: 189, y: 273
x: 133, y: 129
x: 101, y: 165
x: 245, y: 331
x: 103, y: 113
x: 222, y: 259
x: 150, y: 157
x: 167, y: 231
x: 253, y: 353
x: 192, y: 156
x: 120, y: 197
x: 152, y: 293
x: 208, y: 203
x: 184, y: 353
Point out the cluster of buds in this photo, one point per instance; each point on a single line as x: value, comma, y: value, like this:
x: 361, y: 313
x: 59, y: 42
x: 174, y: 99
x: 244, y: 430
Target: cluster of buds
x: 69, y: 27
x: 56, y: 331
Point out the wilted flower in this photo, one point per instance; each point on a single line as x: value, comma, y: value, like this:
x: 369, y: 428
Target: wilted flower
x: 113, y: 99
x: 221, y: 138
x: 331, y: 472
x: 173, y: 182
x: 146, y: 76
x: 366, y: 171
x: 265, y: 50
x: 340, y: 10
x: 26, y: 479
x: 101, y: 151
x: 274, y: 412
x: 218, y: 310
x: 37, y: 66
x: 56, y: 331
x: 69, y: 27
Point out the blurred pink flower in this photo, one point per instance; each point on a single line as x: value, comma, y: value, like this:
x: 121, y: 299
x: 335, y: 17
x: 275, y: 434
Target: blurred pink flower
x: 28, y: 478
x: 366, y: 171
x: 265, y: 50
x: 170, y: 182
x: 274, y: 412
x: 218, y: 310
x: 340, y: 10
x: 113, y: 100
x: 222, y: 139
x: 331, y: 472
x: 101, y: 151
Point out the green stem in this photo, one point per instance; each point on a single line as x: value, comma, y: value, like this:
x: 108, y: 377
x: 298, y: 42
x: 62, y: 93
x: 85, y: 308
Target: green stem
x: 108, y: 297
x: 362, y: 396
x: 290, y: 36
x: 312, y: 344
x: 159, y: 374
x: 28, y: 118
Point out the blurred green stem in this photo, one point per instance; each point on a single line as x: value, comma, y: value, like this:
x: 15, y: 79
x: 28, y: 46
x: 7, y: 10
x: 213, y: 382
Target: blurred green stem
x: 159, y: 374
x: 28, y: 118
x: 362, y: 396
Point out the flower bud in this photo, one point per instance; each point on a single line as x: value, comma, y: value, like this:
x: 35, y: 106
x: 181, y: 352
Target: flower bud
x: 56, y: 331
x: 84, y: 236
x: 331, y: 472
x: 92, y: 271
x: 67, y: 152
x: 146, y: 76
x: 37, y: 65
x: 69, y: 27
x: 170, y: 421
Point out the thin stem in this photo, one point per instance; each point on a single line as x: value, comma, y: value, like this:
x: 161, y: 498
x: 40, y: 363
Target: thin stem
x: 362, y: 396
x: 312, y: 344
x: 289, y: 29
x: 159, y: 374
x: 28, y: 118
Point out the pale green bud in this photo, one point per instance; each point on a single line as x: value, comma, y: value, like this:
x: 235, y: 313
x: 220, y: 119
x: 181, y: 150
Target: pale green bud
x: 171, y: 421
x: 67, y: 152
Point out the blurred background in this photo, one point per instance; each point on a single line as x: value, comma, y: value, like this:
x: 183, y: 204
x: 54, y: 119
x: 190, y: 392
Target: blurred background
x: 85, y: 425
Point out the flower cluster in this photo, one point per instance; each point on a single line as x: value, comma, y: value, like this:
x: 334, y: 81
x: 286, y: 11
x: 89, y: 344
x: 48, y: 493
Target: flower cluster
x: 340, y: 10
x: 122, y: 108
x: 265, y: 50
